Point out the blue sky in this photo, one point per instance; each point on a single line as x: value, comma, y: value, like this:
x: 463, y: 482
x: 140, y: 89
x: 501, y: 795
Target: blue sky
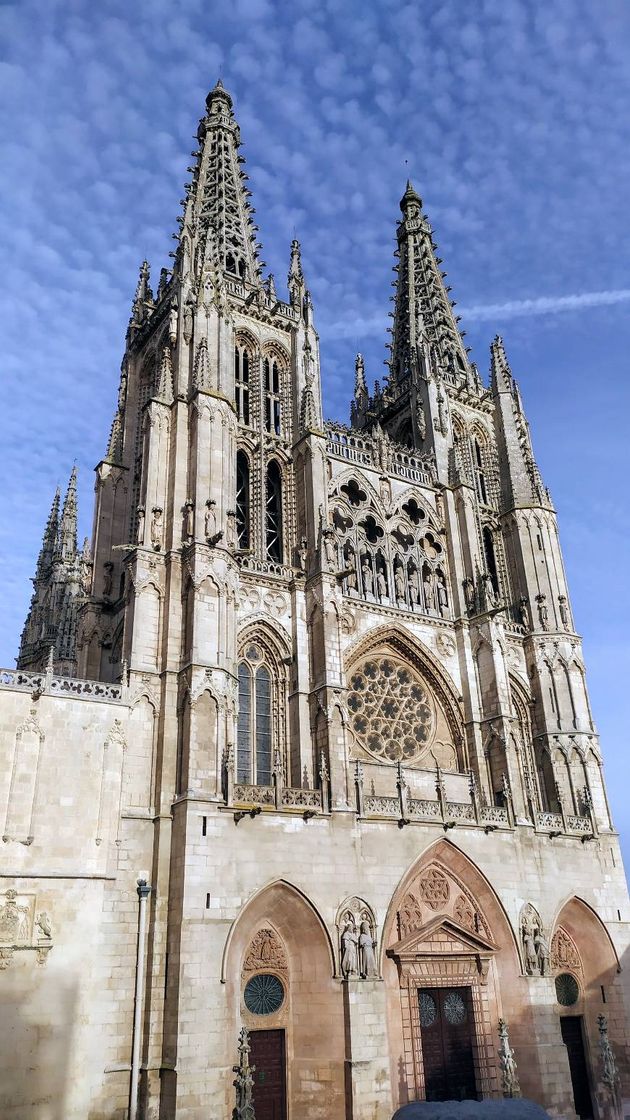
x: 510, y: 117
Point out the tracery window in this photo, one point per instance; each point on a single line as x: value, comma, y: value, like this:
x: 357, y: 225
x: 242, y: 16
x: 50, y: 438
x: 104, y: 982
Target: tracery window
x: 490, y: 555
x: 272, y: 395
x: 391, y: 711
x: 255, y: 719
x: 242, y: 364
x: 273, y: 512
x: 242, y: 500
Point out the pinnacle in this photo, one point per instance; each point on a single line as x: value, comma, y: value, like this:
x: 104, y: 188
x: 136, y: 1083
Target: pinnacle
x: 410, y: 195
x: 218, y: 93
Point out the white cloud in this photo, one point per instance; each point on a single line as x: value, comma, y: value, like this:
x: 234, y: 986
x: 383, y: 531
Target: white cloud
x: 543, y: 305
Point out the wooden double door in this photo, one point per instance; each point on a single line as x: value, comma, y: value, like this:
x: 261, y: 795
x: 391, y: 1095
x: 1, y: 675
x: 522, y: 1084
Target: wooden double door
x: 573, y: 1038
x: 267, y: 1054
x: 447, y: 1032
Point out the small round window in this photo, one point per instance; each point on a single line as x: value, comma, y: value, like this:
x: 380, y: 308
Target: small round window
x: 264, y: 994
x: 567, y: 989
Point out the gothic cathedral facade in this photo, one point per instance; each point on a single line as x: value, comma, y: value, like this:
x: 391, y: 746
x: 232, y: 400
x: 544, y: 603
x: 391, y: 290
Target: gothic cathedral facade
x: 302, y: 743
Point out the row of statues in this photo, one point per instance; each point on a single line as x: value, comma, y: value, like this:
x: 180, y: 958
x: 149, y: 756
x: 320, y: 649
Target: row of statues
x: 403, y: 583
x: 357, y: 951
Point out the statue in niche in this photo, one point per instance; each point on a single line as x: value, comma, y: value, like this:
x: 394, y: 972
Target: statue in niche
x: 489, y: 593
x: 189, y: 519
x: 108, y: 577
x: 366, y: 575
x: 381, y: 583
x: 303, y: 554
x: 427, y: 586
x: 541, y: 946
x: 352, y: 572
x: 543, y: 611
x: 210, y: 523
x: 173, y: 317
x: 385, y: 490
x: 140, y: 531
x: 563, y: 609
x: 157, y: 528
x: 399, y: 582
x: 188, y: 322
x: 414, y: 587
x: 349, y: 950
x: 330, y: 549
x: 421, y: 418
x: 469, y: 594
x: 230, y: 529
x: 535, y: 945
x: 523, y: 612
x: 367, y: 945
x: 442, y: 597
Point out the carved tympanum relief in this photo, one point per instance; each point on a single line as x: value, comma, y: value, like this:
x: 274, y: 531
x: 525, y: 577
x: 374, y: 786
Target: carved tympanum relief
x: 564, y: 952
x: 265, y: 951
x: 437, y: 892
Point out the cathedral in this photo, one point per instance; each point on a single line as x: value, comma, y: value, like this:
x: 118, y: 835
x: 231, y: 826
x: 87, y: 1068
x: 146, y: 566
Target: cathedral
x: 302, y: 802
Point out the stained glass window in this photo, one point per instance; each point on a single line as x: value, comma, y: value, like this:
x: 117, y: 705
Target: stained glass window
x: 241, y: 382
x: 567, y: 989
x: 255, y: 720
x: 264, y: 994
x: 242, y: 500
x: 390, y: 710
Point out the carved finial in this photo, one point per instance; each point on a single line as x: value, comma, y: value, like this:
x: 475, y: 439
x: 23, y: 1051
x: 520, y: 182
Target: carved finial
x: 509, y: 1074
x: 165, y: 377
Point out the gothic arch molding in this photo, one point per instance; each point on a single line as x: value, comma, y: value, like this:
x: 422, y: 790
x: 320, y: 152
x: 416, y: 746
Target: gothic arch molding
x: 578, y: 916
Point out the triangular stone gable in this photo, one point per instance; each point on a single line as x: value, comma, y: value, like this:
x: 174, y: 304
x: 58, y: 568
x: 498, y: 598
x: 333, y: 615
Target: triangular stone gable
x: 441, y: 935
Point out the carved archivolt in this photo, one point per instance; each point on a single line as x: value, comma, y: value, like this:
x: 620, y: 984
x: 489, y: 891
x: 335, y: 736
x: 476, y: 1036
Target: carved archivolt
x: 564, y: 952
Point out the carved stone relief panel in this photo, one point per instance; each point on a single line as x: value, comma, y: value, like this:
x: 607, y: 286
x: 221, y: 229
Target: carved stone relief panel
x: 23, y: 927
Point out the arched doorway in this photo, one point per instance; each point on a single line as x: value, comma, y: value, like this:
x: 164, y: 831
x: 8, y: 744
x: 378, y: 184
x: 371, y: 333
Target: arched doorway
x: 450, y: 954
x: 279, y: 968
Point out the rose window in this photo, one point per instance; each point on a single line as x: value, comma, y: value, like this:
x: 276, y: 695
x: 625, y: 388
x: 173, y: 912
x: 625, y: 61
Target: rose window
x: 391, y: 712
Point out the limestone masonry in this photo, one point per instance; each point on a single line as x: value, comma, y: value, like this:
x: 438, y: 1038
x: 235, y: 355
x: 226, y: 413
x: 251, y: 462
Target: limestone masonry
x: 319, y: 689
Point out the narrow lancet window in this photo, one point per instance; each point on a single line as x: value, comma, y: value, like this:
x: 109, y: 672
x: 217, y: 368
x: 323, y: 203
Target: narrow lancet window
x: 255, y: 731
x: 241, y: 382
x: 242, y: 500
x: 482, y: 489
x: 272, y: 396
x: 274, y: 512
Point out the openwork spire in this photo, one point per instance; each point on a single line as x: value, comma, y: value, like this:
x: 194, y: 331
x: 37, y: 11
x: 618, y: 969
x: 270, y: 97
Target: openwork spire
x: 217, y: 223
x: 49, y: 539
x: 67, y: 542
x: 425, y: 326
x: 521, y: 480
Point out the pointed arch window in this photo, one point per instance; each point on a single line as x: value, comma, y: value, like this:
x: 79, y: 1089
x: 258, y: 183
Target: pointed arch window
x: 273, y: 512
x: 272, y: 396
x: 242, y: 500
x: 490, y: 555
x: 254, y: 763
x: 242, y: 363
x: 480, y: 476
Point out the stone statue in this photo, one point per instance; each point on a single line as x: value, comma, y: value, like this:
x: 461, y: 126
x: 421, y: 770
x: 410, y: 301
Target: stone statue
x: 531, y: 931
x: 469, y: 594
x: 303, y: 554
x: 157, y: 528
x: 349, y: 951
x: 44, y: 925
x: 541, y: 946
x: 173, y: 316
x: 210, y: 520
x: 330, y: 550
x: 509, y: 1075
x: 610, y: 1073
x: 188, y: 322
x: 108, y: 577
x: 385, y: 489
x: 429, y: 598
x: 414, y: 587
x: 399, y: 582
x: 381, y: 583
x: 562, y: 607
x: 189, y: 519
x: 523, y: 612
x: 140, y: 530
x: 442, y: 597
x: 543, y: 612
x: 352, y: 572
x: 367, y: 960
x: 230, y: 528
x: 489, y: 592
x: 366, y: 574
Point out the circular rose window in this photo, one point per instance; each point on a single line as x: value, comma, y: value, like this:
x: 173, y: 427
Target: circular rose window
x: 264, y: 994
x: 567, y: 989
x: 391, y: 712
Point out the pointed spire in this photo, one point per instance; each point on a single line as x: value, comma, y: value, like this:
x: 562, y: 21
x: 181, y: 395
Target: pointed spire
x: 501, y: 379
x: 217, y: 225
x: 114, y: 446
x: 423, y: 313
x: 165, y: 378
x: 143, y: 300
x: 67, y: 541
x: 295, y: 280
x: 49, y: 539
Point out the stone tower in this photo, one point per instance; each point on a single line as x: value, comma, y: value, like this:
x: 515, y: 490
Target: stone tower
x: 333, y: 775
